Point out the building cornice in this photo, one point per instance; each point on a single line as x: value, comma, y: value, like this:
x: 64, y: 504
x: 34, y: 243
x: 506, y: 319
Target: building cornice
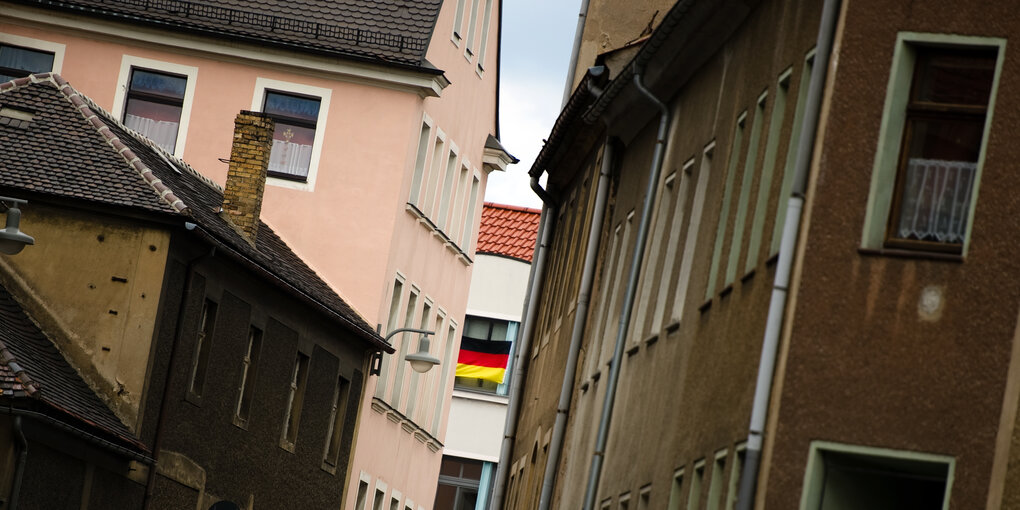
x: 421, y: 83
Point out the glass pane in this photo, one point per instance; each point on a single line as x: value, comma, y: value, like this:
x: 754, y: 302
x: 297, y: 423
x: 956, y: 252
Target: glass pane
x: 295, y: 107
x: 940, y: 171
x: 476, y: 327
x: 157, y: 121
x: 32, y: 61
x: 445, y: 497
x: 468, y: 499
x: 499, y: 330
x: 449, y: 467
x: 292, y: 149
x: 472, y: 470
x: 159, y: 84
x: 962, y: 77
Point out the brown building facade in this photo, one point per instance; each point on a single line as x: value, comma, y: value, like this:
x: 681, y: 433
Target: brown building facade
x: 877, y: 341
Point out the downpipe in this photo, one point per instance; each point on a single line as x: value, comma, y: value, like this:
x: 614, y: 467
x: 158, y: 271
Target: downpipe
x: 19, y: 469
x: 648, y: 207
x: 577, y: 333
x: 784, y: 266
x: 535, y: 279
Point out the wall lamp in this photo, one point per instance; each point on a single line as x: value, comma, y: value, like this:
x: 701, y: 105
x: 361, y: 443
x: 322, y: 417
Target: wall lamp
x: 420, y: 361
x: 13, y: 240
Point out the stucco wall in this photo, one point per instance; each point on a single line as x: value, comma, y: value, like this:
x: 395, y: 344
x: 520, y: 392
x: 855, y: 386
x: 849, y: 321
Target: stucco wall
x: 94, y: 282
x: 498, y: 286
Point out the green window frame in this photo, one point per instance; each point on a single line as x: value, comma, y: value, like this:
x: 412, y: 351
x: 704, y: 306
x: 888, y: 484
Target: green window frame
x: 894, y: 120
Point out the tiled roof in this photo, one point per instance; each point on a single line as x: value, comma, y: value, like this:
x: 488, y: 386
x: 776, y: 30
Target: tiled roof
x: 388, y: 31
x: 74, y: 149
x: 508, y: 231
x: 31, y: 367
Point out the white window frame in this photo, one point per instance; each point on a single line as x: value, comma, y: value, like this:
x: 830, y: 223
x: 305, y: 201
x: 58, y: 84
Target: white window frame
x: 57, y: 49
x: 262, y: 85
x: 129, y: 62
x: 458, y: 23
x: 423, y: 158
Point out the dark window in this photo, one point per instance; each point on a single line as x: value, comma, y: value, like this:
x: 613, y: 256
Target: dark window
x: 294, y: 135
x: 16, y: 62
x: 202, y: 346
x: 458, y: 484
x: 295, y: 401
x: 249, y: 372
x: 942, y: 137
x: 154, y: 104
x: 336, y: 426
x: 481, y: 328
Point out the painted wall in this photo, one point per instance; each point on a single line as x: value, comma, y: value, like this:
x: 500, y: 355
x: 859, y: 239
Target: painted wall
x: 107, y: 274
x: 498, y: 286
x: 476, y: 426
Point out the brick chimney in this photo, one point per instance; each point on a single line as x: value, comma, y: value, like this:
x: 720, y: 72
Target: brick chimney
x: 246, y: 175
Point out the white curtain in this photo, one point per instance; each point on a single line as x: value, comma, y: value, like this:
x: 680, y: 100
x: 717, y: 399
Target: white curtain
x: 164, y: 133
x: 290, y: 158
x: 936, y: 200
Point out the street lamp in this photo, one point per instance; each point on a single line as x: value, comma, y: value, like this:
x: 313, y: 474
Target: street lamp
x: 12, y: 240
x: 420, y: 361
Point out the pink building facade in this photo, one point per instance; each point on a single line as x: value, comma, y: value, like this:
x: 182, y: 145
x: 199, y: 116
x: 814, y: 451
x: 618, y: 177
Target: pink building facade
x: 379, y: 166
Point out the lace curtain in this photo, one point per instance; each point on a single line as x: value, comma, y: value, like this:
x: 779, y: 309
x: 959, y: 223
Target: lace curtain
x: 164, y: 133
x: 936, y: 200
x: 290, y: 158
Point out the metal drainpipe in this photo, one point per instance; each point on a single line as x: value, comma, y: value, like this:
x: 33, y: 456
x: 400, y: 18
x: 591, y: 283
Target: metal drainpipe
x: 19, y: 470
x: 577, y: 333
x: 157, y: 441
x: 628, y: 302
x: 527, y: 328
x: 788, y: 246
x: 575, y: 51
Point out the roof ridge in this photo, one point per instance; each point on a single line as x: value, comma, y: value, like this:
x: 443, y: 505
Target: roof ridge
x: 88, y: 109
x: 509, y: 207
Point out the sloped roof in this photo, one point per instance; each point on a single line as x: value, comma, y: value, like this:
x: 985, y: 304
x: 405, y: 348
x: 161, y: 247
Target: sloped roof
x: 387, y: 31
x: 508, y: 231
x: 31, y: 367
x: 73, y: 149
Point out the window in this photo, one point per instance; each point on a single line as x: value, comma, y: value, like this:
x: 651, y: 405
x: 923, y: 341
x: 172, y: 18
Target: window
x: 469, y: 51
x: 420, y: 160
x: 735, y: 472
x: 676, y: 490
x: 624, y: 501
x: 294, y: 135
x: 485, y: 329
x: 295, y: 400
x: 694, y: 496
x: 16, y: 62
x: 485, y: 35
x: 644, y: 497
x: 300, y: 112
x: 941, y: 143
x: 391, y: 324
x: 336, y: 421
x: 154, y: 104
x: 724, y: 210
x: 850, y: 476
x: 458, y: 22
x: 250, y: 370
x: 203, y: 343
x: 437, y: 416
x: 458, y: 484
x: 716, y: 483
x: 362, y: 497
x: 932, y: 142
x: 469, y: 217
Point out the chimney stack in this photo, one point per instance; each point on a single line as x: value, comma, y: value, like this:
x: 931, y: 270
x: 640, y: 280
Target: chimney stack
x: 246, y: 175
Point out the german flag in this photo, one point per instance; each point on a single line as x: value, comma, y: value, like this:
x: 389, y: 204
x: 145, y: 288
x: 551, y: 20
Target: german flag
x: 483, y: 359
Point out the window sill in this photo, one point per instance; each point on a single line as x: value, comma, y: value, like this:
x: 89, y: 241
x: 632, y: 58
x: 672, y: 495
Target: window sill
x: 438, y: 233
x: 910, y: 254
x: 408, y: 425
x: 480, y: 396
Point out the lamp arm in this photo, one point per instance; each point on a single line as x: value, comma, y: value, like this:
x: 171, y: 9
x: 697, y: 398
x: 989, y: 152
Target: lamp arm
x: 424, y: 332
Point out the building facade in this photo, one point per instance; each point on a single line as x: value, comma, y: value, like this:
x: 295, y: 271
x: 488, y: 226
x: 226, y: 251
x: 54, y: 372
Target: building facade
x: 386, y: 132
x: 505, y: 245
x: 796, y: 297
x: 163, y: 347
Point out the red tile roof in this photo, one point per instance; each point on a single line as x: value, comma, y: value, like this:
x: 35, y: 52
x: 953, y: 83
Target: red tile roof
x: 508, y: 231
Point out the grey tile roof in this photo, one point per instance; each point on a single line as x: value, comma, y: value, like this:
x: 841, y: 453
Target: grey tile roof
x: 32, y: 368
x: 74, y: 149
x: 388, y: 31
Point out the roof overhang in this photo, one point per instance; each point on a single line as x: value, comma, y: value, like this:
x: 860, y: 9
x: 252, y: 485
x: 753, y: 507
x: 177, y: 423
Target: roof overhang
x: 495, y: 156
x: 425, y: 81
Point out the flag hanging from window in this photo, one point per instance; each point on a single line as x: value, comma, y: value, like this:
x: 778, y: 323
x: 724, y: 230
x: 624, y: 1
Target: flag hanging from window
x: 483, y: 359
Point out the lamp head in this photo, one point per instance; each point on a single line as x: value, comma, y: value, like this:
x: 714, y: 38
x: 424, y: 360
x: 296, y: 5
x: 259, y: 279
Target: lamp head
x: 12, y: 239
x: 422, y: 361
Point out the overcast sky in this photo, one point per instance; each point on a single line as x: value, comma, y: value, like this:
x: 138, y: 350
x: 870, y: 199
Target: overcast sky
x: 537, y: 38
